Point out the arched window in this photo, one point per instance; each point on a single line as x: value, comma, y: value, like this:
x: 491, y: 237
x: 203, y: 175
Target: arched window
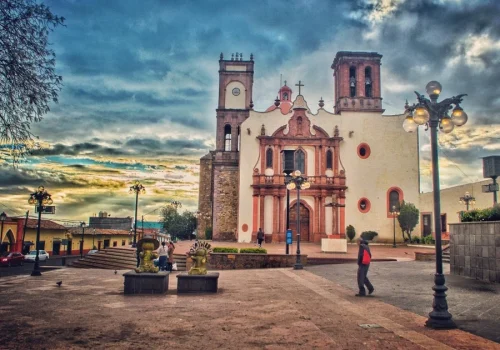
x: 352, y: 81
x: 239, y: 138
x: 300, y: 161
x: 368, y: 82
x: 227, y: 137
x: 329, y: 159
x: 269, y: 158
x: 285, y: 96
x: 393, y: 200
x: 299, y: 126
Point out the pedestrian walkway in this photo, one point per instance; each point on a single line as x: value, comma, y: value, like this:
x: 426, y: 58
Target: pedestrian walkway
x: 254, y: 309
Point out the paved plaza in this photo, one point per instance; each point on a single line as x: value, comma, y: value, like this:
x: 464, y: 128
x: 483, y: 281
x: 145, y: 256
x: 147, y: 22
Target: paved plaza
x: 254, y: 309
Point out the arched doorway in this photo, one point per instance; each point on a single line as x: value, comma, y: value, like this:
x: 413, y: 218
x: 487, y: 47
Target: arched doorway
x: 304, y: 222
x: 7, y: 242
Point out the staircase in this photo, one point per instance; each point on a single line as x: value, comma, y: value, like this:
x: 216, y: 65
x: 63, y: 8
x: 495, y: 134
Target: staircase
x: 118, y: 259
x: 446, y: 254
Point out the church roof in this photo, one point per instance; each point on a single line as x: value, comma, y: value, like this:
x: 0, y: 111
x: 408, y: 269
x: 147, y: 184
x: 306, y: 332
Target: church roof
x: 284, y: 98
x: 300, y: 103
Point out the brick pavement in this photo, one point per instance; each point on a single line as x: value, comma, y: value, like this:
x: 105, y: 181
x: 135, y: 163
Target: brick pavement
x: 254, y: 309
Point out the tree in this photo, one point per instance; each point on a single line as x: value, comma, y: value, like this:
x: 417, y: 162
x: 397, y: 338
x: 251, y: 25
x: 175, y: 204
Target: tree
x: 27, y: 72
x: 408, y: 218
x: 178, y: 225
x: 351, y: 232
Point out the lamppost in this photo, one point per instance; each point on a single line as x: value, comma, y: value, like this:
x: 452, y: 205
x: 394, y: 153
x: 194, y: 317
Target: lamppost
x: 394, y: 214
x: 287, y: 179
x: 466, y: 199
x: 434, y: 114
x: 41, y: 197
x: 298, y: 182
x: 3, y: 217
x: 82, y: 225
x: 136, y: 188
x: 93, y: 236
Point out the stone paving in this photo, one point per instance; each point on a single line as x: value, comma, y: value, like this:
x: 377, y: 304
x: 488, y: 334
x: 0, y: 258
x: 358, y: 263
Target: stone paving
x: 254, y: 309
x: 474, y: 304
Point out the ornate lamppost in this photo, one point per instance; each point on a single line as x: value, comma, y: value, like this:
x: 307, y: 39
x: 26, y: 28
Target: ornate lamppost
x: 41, y: 197
x: 394, y: 214
x: 136, y: 188
x: 298, y: 182
x: 467, y: 199
x: 82, y: 225
x: 434, y: 114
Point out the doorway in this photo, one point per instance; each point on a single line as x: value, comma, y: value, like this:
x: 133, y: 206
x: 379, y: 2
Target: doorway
x: 426, y: 222
x: 69, y: 247
x: 304, y: 222
x: 56, y: 248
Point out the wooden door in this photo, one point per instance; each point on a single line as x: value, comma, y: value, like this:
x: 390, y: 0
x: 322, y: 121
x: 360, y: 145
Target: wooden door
x: 426, y: 221
x: 304, y: 222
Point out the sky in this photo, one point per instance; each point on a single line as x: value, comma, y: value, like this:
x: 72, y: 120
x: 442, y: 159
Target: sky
x: 141, y: 83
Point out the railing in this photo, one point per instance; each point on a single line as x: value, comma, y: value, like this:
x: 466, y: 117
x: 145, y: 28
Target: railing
x: 262, y: 179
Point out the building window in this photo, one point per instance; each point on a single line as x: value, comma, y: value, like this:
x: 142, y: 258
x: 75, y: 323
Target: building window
x: 364, y: 151
x: 123, y: 242
x: 285, y: 96
x: 300, y: 161
x: 443, y: 223
x: 41, y: 245
x: 288, y: 162
x: 239, y: 139
x: 352, y: 81
x: 329, y: 159
x: 364, y: 205
x: 227, y: 137
x: 115, y: 244
x: 368, y: 82
x: 269, y: 158
x: 394, y: 198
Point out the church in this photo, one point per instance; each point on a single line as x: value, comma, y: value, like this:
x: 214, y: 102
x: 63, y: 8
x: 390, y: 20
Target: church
x: 358, y: 161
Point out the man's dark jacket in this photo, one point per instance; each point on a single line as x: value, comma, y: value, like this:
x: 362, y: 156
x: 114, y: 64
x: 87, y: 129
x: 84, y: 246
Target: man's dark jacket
x: 362, y: 247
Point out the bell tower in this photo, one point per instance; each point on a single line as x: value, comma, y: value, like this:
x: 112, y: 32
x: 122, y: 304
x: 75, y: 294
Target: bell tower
x: 235, y: 100
x: 357, y: 82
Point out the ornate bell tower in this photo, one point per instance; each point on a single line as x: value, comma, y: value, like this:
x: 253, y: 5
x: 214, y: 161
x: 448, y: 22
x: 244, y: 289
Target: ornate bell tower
x: 357, y: 82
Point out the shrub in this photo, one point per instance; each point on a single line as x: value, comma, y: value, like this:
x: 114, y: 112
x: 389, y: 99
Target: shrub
x: 208, y: 233
x: 428, y: 240
x: 225, y: 250
x: 416, y: 240
x: 488, y: 214
x: 253, y: 251
x: 369, y: 235
x: 351, y: 233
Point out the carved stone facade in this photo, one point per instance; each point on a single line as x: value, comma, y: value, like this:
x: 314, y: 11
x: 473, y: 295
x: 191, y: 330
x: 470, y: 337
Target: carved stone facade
x: 205, y: 201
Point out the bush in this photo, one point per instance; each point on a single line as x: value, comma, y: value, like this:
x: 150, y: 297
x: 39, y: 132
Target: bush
x: 488, y: 214
x: 428, y: 240
x: 351, y: 233
x: 253, y: 251
x: 416, y: 240
x: 225, y: 250
x: 208, y: 233
x: 369, y: 235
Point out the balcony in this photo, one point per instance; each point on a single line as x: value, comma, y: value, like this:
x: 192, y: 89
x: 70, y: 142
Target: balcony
x: 316, y: 181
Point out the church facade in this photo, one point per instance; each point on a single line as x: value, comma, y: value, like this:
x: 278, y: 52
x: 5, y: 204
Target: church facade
x: 359, y: 162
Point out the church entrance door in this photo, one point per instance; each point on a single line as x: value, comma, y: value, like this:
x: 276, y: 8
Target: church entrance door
x: 304, y: 222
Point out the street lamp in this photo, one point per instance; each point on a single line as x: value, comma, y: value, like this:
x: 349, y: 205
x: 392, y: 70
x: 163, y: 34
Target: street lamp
x: 93, y: 236
x: 394, y: 214
x: 3, y: 217
x: 466, y: 199
x: 434, y: 114
x: 287, y: 179
x: 136, y: 188
x: 41, y: 197
x: 298, y: 182
x: 82, y: 225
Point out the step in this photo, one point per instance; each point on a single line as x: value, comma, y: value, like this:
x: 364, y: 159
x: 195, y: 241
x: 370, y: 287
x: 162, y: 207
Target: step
x: 87, y: 264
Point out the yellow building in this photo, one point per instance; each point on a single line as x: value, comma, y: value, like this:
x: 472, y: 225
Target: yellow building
x: 97, y: 238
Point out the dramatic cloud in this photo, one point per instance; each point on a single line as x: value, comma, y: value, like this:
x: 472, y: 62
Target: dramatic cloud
x: 141, y: 84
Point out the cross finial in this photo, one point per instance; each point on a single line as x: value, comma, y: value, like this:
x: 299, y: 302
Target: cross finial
x: 299, y: 85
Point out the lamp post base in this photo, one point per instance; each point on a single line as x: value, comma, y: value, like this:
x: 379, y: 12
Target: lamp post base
x: 298, y: 266
x: 394, y: 245
x: 134, y: 245
x: 36, y: 273
x: 439, y: 317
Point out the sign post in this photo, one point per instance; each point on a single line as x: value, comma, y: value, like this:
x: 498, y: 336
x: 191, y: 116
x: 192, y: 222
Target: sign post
x: 288, y: 239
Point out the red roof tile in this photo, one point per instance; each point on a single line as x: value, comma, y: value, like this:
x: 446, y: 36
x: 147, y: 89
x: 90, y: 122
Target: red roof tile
x: 44, y: 224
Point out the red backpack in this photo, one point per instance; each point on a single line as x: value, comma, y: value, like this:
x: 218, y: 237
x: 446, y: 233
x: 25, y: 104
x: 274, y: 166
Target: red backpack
x: 366, y: 258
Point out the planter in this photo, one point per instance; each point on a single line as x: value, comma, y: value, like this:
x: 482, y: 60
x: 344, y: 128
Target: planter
x: 232, y: 261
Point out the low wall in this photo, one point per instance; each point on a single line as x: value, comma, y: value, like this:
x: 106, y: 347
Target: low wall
x: 425, y: 256
x: 225, y: 261
x: 475, y: 250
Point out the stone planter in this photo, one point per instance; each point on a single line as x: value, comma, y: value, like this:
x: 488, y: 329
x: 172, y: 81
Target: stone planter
x: 475, y: 250
x: 231, y: 261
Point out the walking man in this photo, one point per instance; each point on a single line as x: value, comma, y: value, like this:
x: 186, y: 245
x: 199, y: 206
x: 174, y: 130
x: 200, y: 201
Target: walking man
x: 260, y: 237
x: 163, y: 255
x: 364, y: 259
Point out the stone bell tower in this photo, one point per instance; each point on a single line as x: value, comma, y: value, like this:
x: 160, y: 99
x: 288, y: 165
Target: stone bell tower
x: 357, y: 82
x: 219, y: 170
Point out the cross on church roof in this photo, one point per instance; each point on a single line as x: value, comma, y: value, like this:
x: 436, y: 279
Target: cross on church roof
x: 299, y: 85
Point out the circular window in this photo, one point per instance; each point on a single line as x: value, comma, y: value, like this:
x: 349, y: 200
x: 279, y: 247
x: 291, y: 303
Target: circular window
x: 364, y: 205
x: 364, y: 151
x: 244, y: 228
x: 236, y: 91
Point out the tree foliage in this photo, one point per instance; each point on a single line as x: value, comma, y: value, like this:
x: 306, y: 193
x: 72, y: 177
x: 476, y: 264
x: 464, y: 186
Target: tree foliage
x: 178, y: 225
x: 351, y: 232
x: 408, y: 218
x: 28, y: 82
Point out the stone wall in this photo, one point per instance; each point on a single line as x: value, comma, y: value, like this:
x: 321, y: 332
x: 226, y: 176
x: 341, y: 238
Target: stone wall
x: 475, y: 250
x: 225, y: 261
x: 225, y: 202
x: 205, y: 195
